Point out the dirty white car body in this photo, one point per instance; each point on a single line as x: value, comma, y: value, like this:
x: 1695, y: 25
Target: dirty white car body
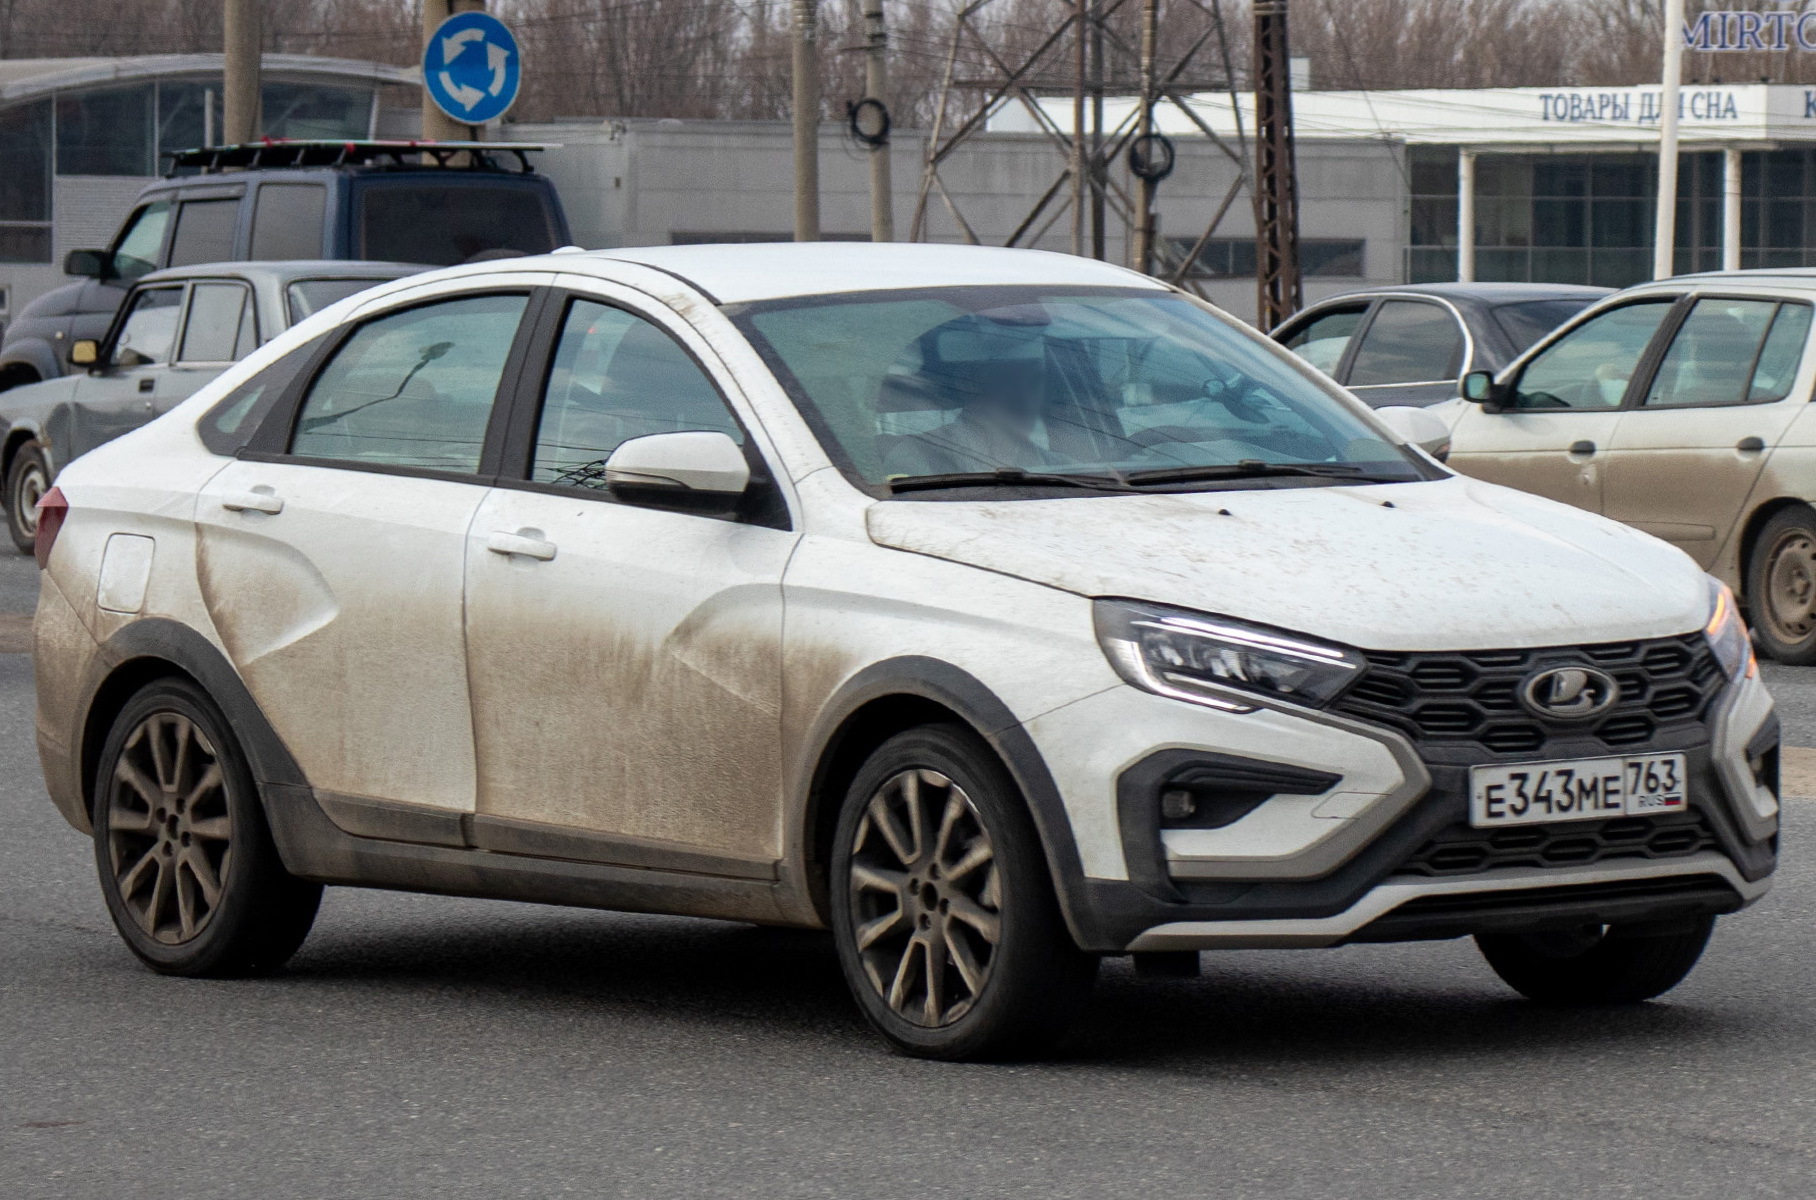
x: 459, y: 683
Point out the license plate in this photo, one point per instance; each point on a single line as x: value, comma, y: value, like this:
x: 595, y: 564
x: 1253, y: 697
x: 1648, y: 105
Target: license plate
x: 1576, y: 790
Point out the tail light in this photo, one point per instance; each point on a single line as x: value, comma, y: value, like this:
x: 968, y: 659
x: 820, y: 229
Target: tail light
x: 52, y: 508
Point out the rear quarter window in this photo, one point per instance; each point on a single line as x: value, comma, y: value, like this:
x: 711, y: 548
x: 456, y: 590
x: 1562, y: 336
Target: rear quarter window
x: 227, y: 428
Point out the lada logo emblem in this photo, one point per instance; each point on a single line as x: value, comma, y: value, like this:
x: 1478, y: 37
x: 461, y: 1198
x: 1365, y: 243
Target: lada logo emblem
x: 1570, y: 693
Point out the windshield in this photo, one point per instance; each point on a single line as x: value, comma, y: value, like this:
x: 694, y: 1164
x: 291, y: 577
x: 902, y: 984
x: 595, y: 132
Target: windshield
x: 1132, y: 386
x: 443, y: 224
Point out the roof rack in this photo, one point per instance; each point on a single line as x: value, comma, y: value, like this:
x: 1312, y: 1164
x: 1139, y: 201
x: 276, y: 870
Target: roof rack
x: 282, y: 152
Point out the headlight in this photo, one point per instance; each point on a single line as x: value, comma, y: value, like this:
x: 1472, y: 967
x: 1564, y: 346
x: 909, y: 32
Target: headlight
x: 1214, y: 661
x: 1727, y: 633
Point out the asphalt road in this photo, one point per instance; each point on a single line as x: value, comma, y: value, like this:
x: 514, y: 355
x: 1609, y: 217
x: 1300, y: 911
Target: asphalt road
x: 422, y: 1046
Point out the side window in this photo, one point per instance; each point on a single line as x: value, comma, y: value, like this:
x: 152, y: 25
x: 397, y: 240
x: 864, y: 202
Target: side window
x: 137, y: 250
x: 1409, y: 341
x: 217, y: 327
x: 1322, y: 341
x: 414, y: 388
x: 287, y: 221
x: 1589, y: 367
x: 149, y: 329
x: 227, y: 428
x: 204, y: 232
x: 1731, y: 352
x: 615, y: 377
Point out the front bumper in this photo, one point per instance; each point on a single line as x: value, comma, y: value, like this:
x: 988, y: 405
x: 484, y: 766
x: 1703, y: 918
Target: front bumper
x: 1301, y: 871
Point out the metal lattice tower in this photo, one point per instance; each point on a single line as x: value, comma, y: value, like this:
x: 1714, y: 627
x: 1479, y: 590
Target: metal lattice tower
x: 1089, y: 53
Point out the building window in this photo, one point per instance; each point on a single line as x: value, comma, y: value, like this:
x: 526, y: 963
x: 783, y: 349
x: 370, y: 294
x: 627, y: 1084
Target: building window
x: 311, y: 110
x: 1234, y: 258
x: 183, y: 123
x: 25, y: 148
x: 105, y: 131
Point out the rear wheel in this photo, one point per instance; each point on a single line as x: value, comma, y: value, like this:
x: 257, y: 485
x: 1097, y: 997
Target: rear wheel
x: 1781, y: 586
x: 947, y: 927
x: 188, y: 868
x: 26, y: 482
x: 1597, y: 964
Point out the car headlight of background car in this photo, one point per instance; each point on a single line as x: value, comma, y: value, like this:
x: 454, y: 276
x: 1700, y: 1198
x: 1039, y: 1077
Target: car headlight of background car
x: 1215, y: 661
x: 1727, y: 633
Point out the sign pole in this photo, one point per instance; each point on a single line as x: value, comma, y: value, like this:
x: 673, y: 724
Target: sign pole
x: 1664, y: 244
x: 242, y: 41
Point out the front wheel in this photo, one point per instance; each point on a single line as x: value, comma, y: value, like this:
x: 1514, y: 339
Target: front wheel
x: 948, y: 930
x: 26, y: 482
x: 1597, y: 964
x: 188, y: 868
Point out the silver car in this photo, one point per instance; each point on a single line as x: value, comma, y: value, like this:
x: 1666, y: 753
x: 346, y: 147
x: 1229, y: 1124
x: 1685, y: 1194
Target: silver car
x: 176, y: 330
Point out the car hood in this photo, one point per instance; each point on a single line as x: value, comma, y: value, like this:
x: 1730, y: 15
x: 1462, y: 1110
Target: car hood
x: 1452, y: 564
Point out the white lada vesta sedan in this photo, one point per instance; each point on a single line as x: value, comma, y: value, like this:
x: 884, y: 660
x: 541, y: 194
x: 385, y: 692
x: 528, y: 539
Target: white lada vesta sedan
x: 1000, y: 610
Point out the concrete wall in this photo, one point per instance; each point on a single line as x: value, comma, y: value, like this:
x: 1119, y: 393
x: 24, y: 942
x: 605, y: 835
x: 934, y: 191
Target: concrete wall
x: 645, y: 182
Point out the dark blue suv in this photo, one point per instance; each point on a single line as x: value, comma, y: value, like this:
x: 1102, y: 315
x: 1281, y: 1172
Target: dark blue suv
x: 435, y: 203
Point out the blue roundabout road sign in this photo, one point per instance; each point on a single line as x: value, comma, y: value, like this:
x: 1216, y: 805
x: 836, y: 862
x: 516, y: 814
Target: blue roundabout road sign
x: 472, y: 68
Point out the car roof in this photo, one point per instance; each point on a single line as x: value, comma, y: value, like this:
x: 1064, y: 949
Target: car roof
x: 1480, y: 293
x: 284, y: 272
x: 1798, y: 277
x: 735, y: 274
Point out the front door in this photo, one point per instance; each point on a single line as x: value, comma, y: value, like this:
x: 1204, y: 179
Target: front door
x: 333, y: 569
x: 123, y: 394
x: 1683, y: 459
x: 1552, y: 438
x: 625, y: 661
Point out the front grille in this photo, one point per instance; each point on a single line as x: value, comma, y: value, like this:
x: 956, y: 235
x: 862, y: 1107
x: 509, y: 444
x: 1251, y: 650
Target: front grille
x: 1469, y: 701
x: 1462, y: 850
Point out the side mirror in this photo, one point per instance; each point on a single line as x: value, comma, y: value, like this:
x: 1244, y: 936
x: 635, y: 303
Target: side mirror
x: 697, y: 471
x: 1418, y: 427
x: 89, y: 264
x: 1478, y: 388
x: 84, y: 352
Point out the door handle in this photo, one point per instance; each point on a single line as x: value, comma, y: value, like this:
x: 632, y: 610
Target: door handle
x: 148, y: 384
x: 1583, y: 449
x: 255, y: 501
x: 1750, y: 445
x: 500, y: 542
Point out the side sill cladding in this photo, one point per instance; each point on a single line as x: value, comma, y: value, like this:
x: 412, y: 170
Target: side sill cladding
x: 948, y: 687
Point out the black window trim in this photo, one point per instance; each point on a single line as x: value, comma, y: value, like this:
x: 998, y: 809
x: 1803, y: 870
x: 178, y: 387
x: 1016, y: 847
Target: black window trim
x: 271, y: 442
x: 1636, y: 400
x: 765, y: 502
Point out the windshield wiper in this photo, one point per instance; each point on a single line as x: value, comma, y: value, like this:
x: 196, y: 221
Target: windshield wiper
x: 1008, y: 477
x: 1254, y: 468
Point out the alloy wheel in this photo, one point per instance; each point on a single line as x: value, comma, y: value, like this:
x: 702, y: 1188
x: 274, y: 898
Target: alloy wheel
x: 169, y: 827
x: 1790, y: 574
x: 926, y: 897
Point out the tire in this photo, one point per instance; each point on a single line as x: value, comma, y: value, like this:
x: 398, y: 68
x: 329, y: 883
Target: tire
x: 191, y: 876
x: 27, y: 479
x: 1596, y: 965
x: 963, y: 953
x: 1781, y: 586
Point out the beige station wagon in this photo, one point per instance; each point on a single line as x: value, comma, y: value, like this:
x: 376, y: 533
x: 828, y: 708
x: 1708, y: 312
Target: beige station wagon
x: 1682, y: 408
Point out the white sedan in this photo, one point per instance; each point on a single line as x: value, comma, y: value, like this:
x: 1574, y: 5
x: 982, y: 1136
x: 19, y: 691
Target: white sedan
x: 1000, y: 610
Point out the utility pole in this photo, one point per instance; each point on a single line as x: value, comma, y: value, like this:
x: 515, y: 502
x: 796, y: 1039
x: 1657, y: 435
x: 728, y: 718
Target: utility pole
x: 1277, y: 281
x: 1664, y: 243
x: 1142, y: 256
x: 1097, y: 164
x: 876, y: 87
x: 438, y: 126
x: 242, y: 43
x: 807, y: 120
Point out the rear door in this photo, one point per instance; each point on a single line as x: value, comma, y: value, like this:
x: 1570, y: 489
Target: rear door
x: 1685, y: 455
x: 332, y: 552
x: 1553, y: 437
x: 220, y: 327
